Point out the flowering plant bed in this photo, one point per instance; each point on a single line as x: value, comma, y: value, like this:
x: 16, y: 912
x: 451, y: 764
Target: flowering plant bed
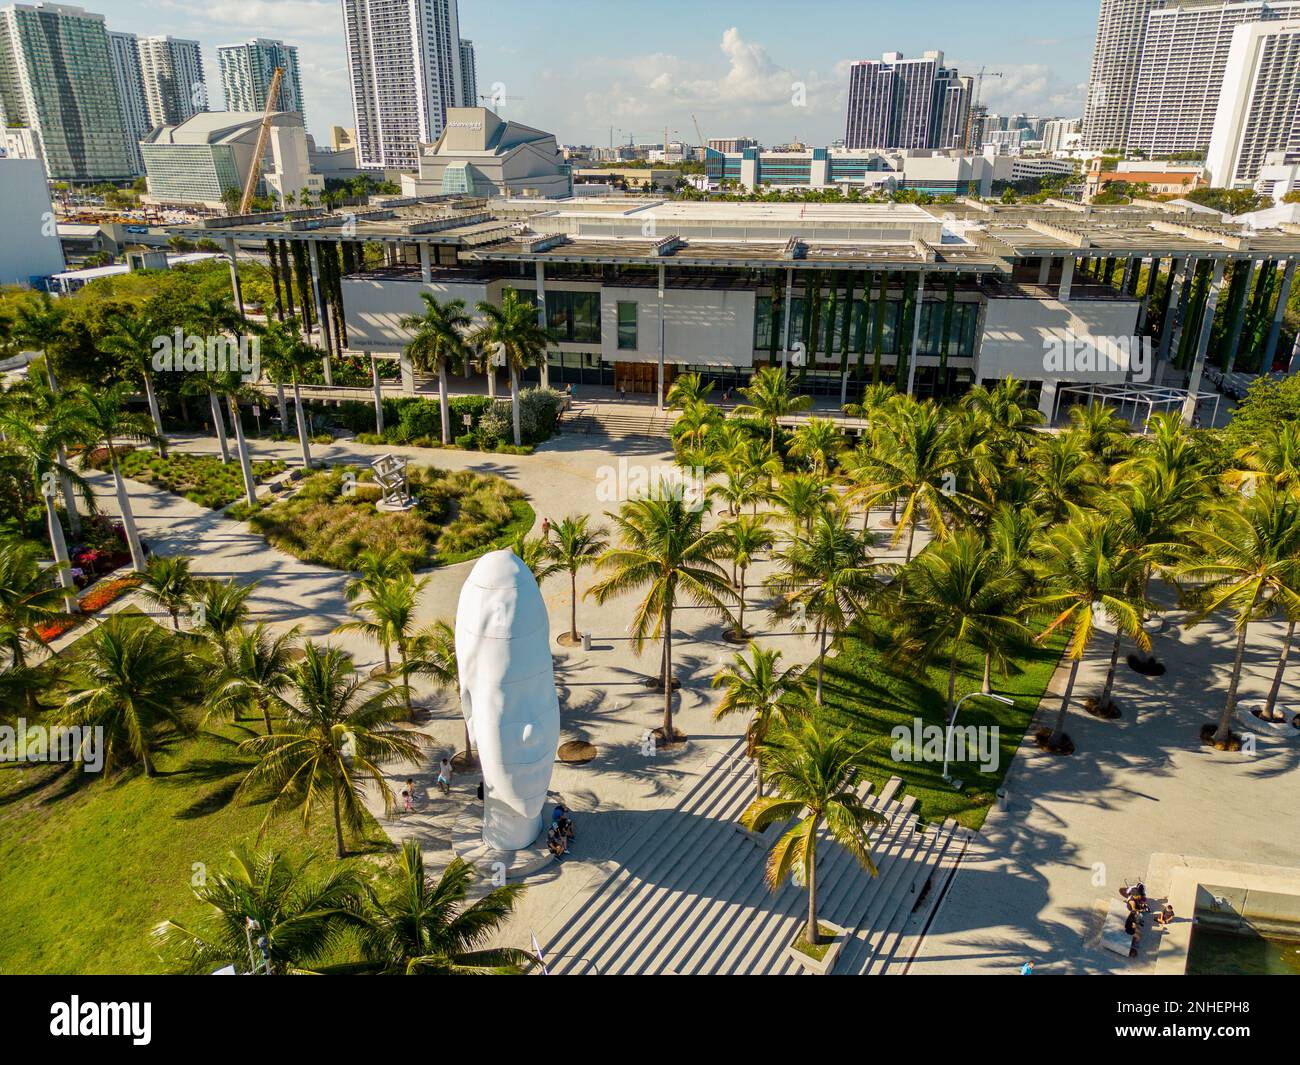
x: 103, y: 594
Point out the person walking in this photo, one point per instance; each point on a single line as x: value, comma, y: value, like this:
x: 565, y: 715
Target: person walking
x: 408, y: 795
x: 444, y: 776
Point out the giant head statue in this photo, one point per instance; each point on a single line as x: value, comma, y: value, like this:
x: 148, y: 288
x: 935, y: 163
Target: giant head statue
x: 507, y: 694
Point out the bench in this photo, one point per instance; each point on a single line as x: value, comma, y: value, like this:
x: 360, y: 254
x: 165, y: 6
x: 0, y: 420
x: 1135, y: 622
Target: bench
x: 1113, y: 936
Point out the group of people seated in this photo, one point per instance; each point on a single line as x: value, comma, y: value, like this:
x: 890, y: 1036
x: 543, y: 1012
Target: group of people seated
x: 560, y: 834
x: 1138, y: 904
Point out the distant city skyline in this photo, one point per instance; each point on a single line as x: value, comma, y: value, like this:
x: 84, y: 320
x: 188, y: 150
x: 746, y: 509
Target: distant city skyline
x: 578, y: 72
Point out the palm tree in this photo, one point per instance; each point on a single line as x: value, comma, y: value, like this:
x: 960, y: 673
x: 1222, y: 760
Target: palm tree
x: 213, y: 316
x: 574, y: 547
x: 130, y: 339
x: 433, y: 655
x: 62, y: 419
x: 817, y: 442
x: 1283, y: 659
x: 513, y: 330
x: 696, y: 423
x: 827, y: 578
x: 1107, y: 437
x: 664, y: 549
x: 256, y: 669
x: 110, y: 421
x: 419, y: 925
x: 233, y: 387
x: 220, y: 609
x: 815, y: 773
x: 1064, y: 474
x: 439, y: 338
x: 961, y: 592
x: 687, y: 390
x: 801, y: 498
x: 1009, y: 413
x: 1085, y: 570
x: 534, y: 552
x: 131, y: 680
x: 758, y: 686
x: 1275, y: 458
x: 288, y: 357
x: 39, y: 322
x: 771, y: 399
x: 30, y: 597
x: 1247, y: 555
x: 298, y: 914
x: 330, y: 743
x: 748, y: 537
x: 391, y: 605
x: 169, y: 584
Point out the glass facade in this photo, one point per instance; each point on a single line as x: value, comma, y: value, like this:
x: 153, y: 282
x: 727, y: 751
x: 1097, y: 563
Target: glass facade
x: 574, y: 317
x: 627, y: 326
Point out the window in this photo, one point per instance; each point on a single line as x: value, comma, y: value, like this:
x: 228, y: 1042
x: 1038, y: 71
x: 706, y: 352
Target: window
x: 627, y: 339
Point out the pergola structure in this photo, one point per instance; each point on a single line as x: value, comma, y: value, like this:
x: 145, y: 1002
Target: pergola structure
x: 1154, y: 398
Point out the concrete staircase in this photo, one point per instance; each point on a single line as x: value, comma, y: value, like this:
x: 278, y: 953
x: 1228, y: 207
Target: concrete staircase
x: 618, y: 422
x: 688, y: 895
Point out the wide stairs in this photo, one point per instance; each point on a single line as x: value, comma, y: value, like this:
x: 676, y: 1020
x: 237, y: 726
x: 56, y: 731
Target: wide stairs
x: 618, y: 421
x: 689, y: 895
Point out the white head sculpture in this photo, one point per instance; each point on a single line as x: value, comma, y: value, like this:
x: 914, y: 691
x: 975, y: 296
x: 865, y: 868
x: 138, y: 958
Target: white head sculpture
x: 507, y: 694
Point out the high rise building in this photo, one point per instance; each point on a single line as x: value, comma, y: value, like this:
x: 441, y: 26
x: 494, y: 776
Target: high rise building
x: 468, y: 75
x: 57, y: 78
x: 1121, y: 27
x: 246, y: 72
x: 130, y: 91
x: 905, y: 103
x: 404, y: 63
x: 1056, y: 132
x: 1259, y: 104
x: 174, y: 86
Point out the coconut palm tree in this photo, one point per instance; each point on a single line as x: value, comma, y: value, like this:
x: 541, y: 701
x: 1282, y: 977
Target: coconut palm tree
x: 439, y: 338
x: 38, y: 326
x: 1274, y: 459
x: 133, y: 681
x: 131, y: 339
x: 220, y: 609
x: 1085, y: 570
x: 418, y: 925
x: 748, y: 538
x: 391, y: 605
x: 169, y: 584
x: 512, y: 330
x: 815, y: 774
x: 62, y: 419
x: 756, y: 685
x: 288, y: 358
x: 663, y: 549
x: 801, y: 497
x: 961, y: 593
x: 1064, y: 473
x: 1275, y: 689
x: 1009, y: 413
x: 212, y: 317
x: 534, y: 552
x: 330, y: 743
x: 696, y: 423
x: 574, y: 546
x: 230, y: 384
x: 30, y: 597
x: 827, y: 578
x: 110, y: 421
x: 1246, y: 555
x: 256, y: 669
x: 687, y: 390
x: 770, y: 398
x: 297, y: 912
x: 817, y: 442
x: 1107, y: 438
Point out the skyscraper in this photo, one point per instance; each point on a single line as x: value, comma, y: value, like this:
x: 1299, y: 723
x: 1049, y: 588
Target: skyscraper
x: 1258, y: 103
x: 174, y: 87
x: 404, y: 62
x: 1121, y: 27
x: 906, y: 103
x: 468, y: 75
x: 246, y: 72
x: 57, y: 78
x: 130, y: 91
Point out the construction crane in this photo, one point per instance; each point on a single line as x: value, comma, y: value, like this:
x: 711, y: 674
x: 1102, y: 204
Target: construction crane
x: 984, y: 72
x: 255, y: 167
x: 499, y: 99
x: 699, y: 133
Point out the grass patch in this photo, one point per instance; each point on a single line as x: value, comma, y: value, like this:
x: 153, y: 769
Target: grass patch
x: 202, y: 479
x: 332, y: 519
x: 89, y: 865
x: 871, y: 689
x: 816, y: 951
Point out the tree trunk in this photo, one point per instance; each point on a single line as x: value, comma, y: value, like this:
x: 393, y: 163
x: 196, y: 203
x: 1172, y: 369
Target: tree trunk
x: 150, y: 770
x: 155, y: 413
x: 301, y: 419
x: 740, y: 621
x: 444, y: 408
x: 573, y: 605
x: 1281, y: 670
x: 911, y: 536
x: 69, y: 494
x: 821, y: 663
x: 668, y: 675
x: 952, y: 684
x: 60, y: 548
x: 241, y: 445
x: 406, y: 681
x: 340, y: 850
x: 514, y: 404
x: 284, y: 407
x: 128, y: 517
x: 1059, y: 731
x: 266, y: 716
x: 987, y: 687
x: 219, y: 426
x: 1110, y: 673
x: 1230, y: 707
x: 810, y: 865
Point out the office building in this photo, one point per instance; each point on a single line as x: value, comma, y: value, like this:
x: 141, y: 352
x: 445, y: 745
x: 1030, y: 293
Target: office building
x: 246, y: 73
x: 174, y: 87
x: 57, y: 79
x: 468, y: 74
x: 1258, y: 112
x: 1057, y: 134
x: 404, y: 65
x: 906, y: 103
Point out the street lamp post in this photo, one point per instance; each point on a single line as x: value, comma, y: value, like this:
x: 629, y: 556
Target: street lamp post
x: 947, y: 739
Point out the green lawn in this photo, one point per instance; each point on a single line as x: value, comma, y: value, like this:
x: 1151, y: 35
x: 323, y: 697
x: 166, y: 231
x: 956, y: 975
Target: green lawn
x: 871, y: 688
x: 88, y: 866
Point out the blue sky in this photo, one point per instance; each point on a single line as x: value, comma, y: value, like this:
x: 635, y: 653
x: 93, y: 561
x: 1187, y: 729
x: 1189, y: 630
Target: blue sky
x: 578, y: 67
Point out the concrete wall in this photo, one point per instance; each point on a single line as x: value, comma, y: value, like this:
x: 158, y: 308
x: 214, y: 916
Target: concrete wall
x: 374, y: 309
x: 30, y: 245
x: 1017, y: 332
x: 702, y: 326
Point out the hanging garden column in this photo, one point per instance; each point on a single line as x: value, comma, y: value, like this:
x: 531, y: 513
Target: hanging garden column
x: 915, y: 353
x: 543, y: 368
x: 318, y: 297
x: 1203, y: 341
